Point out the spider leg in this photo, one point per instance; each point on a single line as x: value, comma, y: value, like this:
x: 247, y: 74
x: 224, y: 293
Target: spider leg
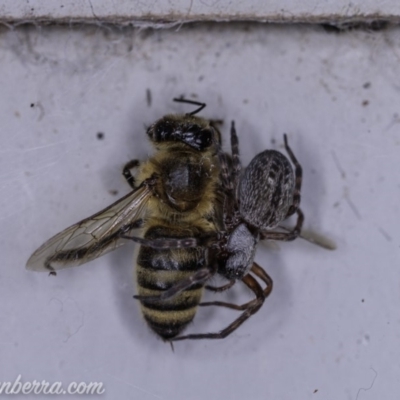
x: 225, y: 176
x: 230, y: 162
x: 260, y: 273
x: 221, y: 288
x: 314, y: 238
x: 236, y: 165
x: 286, y: 236
x: 249, y: 308
x: 228, y: 176
x: 198, y: 278
x: 298, y: 177
x: 126, y: 172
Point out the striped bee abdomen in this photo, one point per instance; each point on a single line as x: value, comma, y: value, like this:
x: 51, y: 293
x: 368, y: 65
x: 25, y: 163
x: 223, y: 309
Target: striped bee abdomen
x: 158, y: 270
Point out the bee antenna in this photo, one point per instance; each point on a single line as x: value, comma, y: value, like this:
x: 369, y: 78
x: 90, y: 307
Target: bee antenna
x: 195, y: 103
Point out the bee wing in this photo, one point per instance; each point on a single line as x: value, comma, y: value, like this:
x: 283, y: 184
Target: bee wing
x: 93, y: 236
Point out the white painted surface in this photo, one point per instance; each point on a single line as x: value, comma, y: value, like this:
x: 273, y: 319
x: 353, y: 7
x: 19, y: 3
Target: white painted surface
x: 159, y: 11
x: 332, y: 322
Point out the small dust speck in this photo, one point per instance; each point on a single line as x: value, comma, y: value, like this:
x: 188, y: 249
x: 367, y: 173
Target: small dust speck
x: 148, y: 97
x: 17, y: 114
x: 113, y: 192
x: 385, y: 234
x: 245, y: 101
x: 367, y: 85
x: 364, y: 340
x: 100, y: 135
x: 365, y: 103
x: 32, y: 105
x: 362, y: 300
x: 338, y: 166
x: 350, y: 203
x: 273, y: 141
x: 315, y: 391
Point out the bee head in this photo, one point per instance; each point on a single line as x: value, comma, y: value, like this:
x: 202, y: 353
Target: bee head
x: 195, y: 132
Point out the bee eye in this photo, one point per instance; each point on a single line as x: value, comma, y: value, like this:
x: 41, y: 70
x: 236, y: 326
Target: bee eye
x: 207, y: 137
x: 164, y: 131
x: 161, y: 131
x: 203, y: 138
x: 196, y: 137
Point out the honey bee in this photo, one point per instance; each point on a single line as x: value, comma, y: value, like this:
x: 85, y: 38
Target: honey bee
x: 174, y: 203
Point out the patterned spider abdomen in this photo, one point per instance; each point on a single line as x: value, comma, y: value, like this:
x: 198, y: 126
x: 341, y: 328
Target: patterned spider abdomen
x: 266, y: 190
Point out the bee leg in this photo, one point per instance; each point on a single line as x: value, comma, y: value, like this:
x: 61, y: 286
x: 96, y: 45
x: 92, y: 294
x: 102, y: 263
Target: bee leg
x: 173, y: 243
x: 198, y: 278
x: 165, y: 243
x: 298, y: 175
x: 126, y: 172
x: 286, y: 236
x: 249, y: 308
x: 221, y: 288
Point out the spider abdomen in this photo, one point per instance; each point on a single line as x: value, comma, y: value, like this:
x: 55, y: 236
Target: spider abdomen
x: 266, y: 190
